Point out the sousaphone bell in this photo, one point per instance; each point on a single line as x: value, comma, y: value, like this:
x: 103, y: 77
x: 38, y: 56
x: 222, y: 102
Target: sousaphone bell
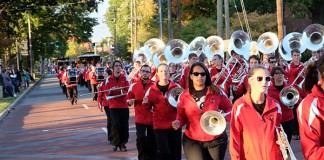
x: 313, y: 37
x: 176, y: 50
x: 213, y: 123
x: 213, y: 45
x: 173, y: 96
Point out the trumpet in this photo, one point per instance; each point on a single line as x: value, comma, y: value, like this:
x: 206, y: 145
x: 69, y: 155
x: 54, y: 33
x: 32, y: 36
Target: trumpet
x: 283, y: 143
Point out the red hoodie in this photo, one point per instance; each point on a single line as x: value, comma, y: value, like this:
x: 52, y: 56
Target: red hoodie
x: 136, y: 91
x: 310, y: 114
x: 253, y: 136
x: 189, y: 113
x: 163, y: 112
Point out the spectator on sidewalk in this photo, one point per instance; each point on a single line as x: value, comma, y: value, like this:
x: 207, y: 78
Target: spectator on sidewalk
x: 7, y: 83
x: 27, y: 79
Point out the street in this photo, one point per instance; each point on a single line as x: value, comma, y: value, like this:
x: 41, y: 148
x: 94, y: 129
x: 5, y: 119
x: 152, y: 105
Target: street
x: 44, y: 125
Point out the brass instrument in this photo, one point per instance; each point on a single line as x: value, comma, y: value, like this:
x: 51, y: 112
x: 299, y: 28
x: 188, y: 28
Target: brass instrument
x: 293, y: 41
x: 213, y: 45
x: 116, y: 96
x: 289, y: 95
x: 313, y: 37
x: 173, y: 96
x: 268, y: 43
x: 240, y: 43
x: 285, y: 55
x: 213, y: 122
x: 254, y: 50
x: 153, y: 45
x: 196, y: 45
x: 108, y: 90
x: 283, y: 143
x: 176, y: 51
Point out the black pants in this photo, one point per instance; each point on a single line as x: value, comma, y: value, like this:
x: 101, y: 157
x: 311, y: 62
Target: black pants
x: 72, y: 93
x: 109, y: 125
x: 94, y: 90
x: 288, y: 127
x: 168, y: 143
x: 211, y: 150
x: 145, y: 143
x: 119, y: 121
x: 89, y: 85
x: 296, y: 125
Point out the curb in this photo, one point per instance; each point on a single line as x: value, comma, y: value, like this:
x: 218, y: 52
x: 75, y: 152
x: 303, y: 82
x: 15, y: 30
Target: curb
x: 4, y: 113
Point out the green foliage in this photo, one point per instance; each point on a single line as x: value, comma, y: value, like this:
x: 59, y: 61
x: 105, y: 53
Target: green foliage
x: 198, y: 27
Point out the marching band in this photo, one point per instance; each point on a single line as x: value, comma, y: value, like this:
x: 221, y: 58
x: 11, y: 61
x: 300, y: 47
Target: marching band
x: 267, y: 103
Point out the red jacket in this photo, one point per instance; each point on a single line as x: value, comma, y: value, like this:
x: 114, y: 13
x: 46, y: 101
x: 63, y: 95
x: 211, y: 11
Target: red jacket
x: 189, y: 113
x: 102, y: 102
x: 287, y: 114
x: 242, y: 86
x: 119, y: 102
x: 253, y: 136
x: 310, y: 114
x: 183, y: 82
x: 292, y: 71
x: 163, y: 112
x: 136, y: 91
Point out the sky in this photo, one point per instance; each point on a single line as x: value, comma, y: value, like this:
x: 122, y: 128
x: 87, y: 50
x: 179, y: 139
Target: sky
x: 101, y: 30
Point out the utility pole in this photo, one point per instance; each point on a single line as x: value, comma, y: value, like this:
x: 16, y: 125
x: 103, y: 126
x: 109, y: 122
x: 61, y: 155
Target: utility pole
x: 135, y: 24
x: 160, y: 16
x: 220, y: 18
x: 280, y: 18
x: 170, y: 20
x: 31, y: 55
x: 131, y: 25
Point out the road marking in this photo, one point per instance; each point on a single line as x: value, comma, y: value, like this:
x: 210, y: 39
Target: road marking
x: 105, y: 130
x: 85, y: 106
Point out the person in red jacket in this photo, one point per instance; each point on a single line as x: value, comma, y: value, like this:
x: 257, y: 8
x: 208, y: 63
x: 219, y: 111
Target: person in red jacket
x: 145, y: 139
x: 200, y: 97
x: 168, y: 140
x: 310, y: 113
x: 254, y: 119
x: 119, y: 111
x: 242, y: 87
x: 93, y: 83
x: 219, y: 70
x: 71, y: 89
x: 185, y: 72
x: 275, y: 88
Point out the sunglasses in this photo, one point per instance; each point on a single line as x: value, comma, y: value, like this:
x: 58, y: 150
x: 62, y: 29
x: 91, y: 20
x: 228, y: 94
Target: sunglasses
x: 273, y: 61
x: 197, y: 74
x: 145, y: 71
x: 260, y: 78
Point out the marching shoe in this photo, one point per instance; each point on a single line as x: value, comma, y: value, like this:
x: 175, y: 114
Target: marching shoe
x: 115, y: 148
x: 123, y: 148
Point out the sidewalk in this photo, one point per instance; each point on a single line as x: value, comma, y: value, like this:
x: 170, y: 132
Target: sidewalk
x: 19, y: 97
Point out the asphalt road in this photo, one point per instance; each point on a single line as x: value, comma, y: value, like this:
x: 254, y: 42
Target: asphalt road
x: 44, y: 125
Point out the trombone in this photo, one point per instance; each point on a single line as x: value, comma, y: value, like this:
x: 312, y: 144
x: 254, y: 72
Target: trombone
x: 289, y: 95
x: 108, y: 90
x: 283, y: 143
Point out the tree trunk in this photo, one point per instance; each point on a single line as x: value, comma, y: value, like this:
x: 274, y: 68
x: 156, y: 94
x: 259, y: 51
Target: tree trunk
x: 170, y: 20
x: 227, y: 21
x: 178, y: 17
x: 220, y: 17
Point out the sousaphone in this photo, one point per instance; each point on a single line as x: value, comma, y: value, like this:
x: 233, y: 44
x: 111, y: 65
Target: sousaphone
x: 213, y: 123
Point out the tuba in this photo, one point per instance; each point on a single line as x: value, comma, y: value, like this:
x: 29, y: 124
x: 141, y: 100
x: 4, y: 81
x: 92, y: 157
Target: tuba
x: 313, y: 37
x: 173, y: 96
x: 268, y: 43
x: 240, y: 43
x: 153, y: 45
x: 213, y: 45
x: 213, y: 122
x: 196, y: 46
x: 285, y: 55
x: 254, y: 50
x: 293, y: 41
x: 158, y: 57
x: 176, y: 50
